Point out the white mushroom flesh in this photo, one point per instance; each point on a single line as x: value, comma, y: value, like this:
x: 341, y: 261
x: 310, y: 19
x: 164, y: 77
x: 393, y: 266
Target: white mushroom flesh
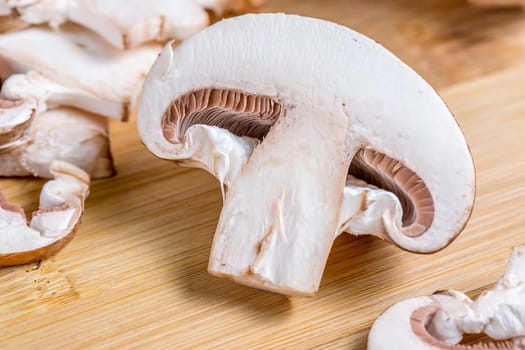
x: 63, y: 134
x: 335, y: 105
x: 88, y: 69
x: 439, y: 321
x: 52, y: 225
x: 47, y: 94
x: 122, y: 23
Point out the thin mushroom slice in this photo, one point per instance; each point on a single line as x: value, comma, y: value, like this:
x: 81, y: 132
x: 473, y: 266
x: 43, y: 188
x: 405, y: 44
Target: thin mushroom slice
x: 122, y: 23
x: 438, y: 322
x: 52, y: 226
x: 309, y: 128
x: 66, y: 134
x: 88, y: 69
x: 47, y: 94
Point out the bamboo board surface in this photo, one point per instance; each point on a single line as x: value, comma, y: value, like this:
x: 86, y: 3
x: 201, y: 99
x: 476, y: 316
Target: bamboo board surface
x: 135, y: 275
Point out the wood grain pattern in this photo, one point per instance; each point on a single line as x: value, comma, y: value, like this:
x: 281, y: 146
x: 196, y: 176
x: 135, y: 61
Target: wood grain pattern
x: 135, y: 275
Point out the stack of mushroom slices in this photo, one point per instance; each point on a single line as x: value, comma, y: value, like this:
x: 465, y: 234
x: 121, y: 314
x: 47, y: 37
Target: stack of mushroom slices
x: 84, y: 62
x: 438, y: 322
x: 312, y: 130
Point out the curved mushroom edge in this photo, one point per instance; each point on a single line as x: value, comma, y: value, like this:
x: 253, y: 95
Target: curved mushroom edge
x: 52, y: 226
x: 439, y: 321
x: 15, y: 118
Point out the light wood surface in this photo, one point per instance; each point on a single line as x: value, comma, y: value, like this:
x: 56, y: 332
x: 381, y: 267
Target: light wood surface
x: 135, y: 275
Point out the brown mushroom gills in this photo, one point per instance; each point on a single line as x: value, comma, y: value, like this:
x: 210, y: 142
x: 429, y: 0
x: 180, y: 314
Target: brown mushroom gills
x: 422, y: 316
x: 251, y: 115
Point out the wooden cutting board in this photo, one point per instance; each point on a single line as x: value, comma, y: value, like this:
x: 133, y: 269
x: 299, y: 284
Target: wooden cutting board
x: 135, y: 275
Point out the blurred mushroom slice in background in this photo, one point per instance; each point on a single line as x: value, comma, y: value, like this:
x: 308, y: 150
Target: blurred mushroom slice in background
x: 86, y: 65
x: 66, y: 134
x: 122, y: 23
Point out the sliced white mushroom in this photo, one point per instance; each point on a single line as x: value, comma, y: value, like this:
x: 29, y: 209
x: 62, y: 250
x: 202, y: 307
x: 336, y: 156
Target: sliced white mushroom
x: 65, y: 134
x: 439, y: 321
x: 5, y: 9
x: 324, y: 102
x: 122, y: 23
x: 88, y: 73
x: 52, y: 226
x: 47, y: 94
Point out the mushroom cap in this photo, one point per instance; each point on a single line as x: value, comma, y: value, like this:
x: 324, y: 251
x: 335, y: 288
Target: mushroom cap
x: 326, y: 70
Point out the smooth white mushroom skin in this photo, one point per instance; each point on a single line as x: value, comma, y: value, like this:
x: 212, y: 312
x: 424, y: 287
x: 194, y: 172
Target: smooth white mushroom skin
x: 439, y: 321
x: 322, y: 111
x: 66, y: 134
x: 89, y: 73
x: 52, y: 226
x: 122, y: 23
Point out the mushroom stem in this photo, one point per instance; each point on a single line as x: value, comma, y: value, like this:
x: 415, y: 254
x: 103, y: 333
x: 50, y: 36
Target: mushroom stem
x: 293, y: 223
x: 230, y: 152
x: 366, y: 210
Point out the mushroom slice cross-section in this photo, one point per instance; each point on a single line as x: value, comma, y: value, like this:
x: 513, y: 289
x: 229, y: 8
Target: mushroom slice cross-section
x: 438, y: 322
x: 47, y: 94
x: 122, y: 23
x: 65, y: 134
x: 88, y: 73
x: 313, y: 129
x: 52, y: 226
